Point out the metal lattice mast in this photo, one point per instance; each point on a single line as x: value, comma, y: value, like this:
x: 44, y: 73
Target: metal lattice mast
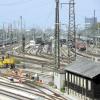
x: 71, y: 32
x: 23, y: 36
x: 11, y: 33
x: 57, y: 30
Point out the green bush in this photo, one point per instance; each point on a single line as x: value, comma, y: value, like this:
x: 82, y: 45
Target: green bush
x: 17, y: 61
x: 51, y: 84
x: 62, y: 90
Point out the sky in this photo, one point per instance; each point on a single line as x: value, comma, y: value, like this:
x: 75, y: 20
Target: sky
x: 41, y: 13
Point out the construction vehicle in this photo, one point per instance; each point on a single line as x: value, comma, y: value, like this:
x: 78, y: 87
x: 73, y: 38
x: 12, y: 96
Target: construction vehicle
x: 1, y: 64
x: 7, y: 61
x: 13, y: 74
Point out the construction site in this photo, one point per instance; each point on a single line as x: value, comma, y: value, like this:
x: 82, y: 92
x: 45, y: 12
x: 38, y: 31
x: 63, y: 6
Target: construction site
x: 59, y: 63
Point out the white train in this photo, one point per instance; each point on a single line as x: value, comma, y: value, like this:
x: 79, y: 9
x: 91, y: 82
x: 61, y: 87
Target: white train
x: 32, y: 43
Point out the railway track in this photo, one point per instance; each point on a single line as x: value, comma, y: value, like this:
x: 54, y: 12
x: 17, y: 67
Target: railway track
x: 42, y: 55
x: 82, y: 54
x: 48, y: 68
x: 14, y: 96
x: 93, y: 54
x: 37, y: 60
x: 35, y: 90
x: 8, y: 47
x: 50, y: 57
x: 30, y: 91
x: 55, y: 96
x: 10, y: 94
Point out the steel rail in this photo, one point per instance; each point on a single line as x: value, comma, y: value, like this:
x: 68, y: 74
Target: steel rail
x: 31, y: 91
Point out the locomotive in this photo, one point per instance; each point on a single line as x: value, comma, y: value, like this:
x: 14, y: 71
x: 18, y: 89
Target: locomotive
x: 80, y: 45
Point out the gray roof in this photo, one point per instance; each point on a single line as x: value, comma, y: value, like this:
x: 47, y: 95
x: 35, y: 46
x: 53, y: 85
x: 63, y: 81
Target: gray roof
x: 84, y: 67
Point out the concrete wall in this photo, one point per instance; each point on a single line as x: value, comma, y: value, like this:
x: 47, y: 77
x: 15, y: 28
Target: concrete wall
x: 59, y: 80
x: 46, y: 79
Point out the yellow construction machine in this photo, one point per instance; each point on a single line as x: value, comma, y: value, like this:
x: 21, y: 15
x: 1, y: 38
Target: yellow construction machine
x: 7, y: 61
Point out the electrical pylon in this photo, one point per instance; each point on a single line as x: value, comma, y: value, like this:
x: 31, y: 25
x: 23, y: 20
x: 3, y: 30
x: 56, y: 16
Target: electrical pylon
x: 71, y: 32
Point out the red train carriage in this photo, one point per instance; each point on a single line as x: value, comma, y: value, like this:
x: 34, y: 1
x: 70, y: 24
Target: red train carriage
x: 80, y: 45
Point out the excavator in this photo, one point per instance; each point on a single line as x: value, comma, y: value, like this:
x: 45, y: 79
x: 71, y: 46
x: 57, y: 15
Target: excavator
x: 14, y: 75
x: 7, y: 61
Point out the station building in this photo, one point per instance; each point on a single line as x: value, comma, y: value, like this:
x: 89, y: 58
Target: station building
x: 82, y: 79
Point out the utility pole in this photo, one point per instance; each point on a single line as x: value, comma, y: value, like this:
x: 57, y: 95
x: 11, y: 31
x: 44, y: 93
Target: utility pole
x: 94, y: 22
x: 7, y: 36
x: 86, y: 34
x: 71, y: 32
x: 18, y: 31
x: 34, y: 33
x: 14, y: 24
x: 3, y: 34
x: 11, y: 33
x: 94, y: 19
x: 98, y: 28
x: 94, y: 28
x: 23, y: 41
x: 21, y: 28
x: 23, y: 36
x: 8, y: 31
x: 57, y: 31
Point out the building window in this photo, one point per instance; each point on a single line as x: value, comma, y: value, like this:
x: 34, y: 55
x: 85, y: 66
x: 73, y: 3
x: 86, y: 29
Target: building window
x: 69, y: 77
x: 89, y: 85
x: 85, y: 83
x: 75, y: 80
x: 66, y: 76
x: 72, y: 78
x: 81, y: 80
x: 78, y: 81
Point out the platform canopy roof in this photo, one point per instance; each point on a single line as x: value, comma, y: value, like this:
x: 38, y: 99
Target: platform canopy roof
x: 85, y: 67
